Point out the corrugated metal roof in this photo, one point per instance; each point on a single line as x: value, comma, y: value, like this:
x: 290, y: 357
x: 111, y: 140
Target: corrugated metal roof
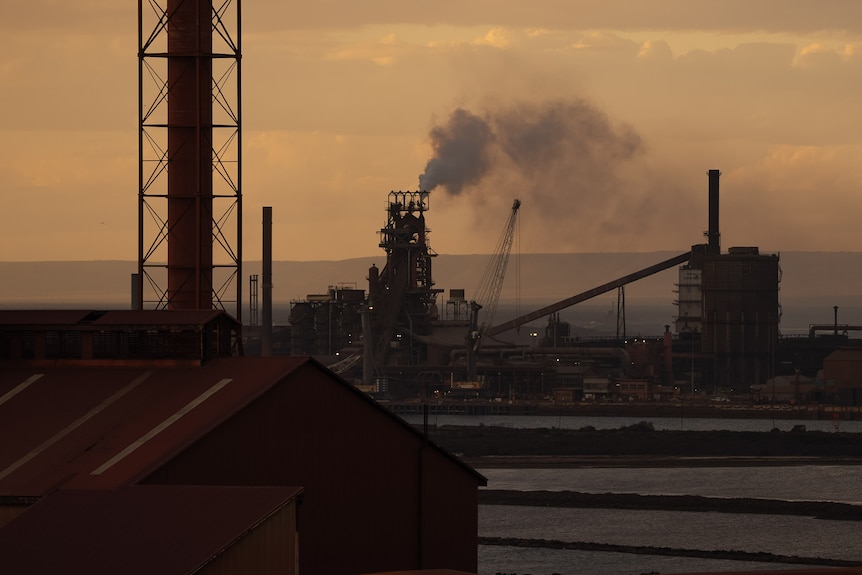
x: 139, y: 530
x: 105, y: 427
x: 845, y: 354
x: 10, y: 317
x: 20, y: 317
x: 157, y: 317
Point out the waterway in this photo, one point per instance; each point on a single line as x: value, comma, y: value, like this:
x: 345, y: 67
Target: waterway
x: 780, y: 535
x: 660, y: 423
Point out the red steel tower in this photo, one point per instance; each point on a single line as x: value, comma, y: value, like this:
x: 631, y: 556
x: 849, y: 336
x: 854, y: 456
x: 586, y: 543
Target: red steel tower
x: 189, y: 197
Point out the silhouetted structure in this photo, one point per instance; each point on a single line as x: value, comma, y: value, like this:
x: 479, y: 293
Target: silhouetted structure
x: 190, y: 161
x: 374, y: 488
x: 169, y: 530
x: 741, y: 314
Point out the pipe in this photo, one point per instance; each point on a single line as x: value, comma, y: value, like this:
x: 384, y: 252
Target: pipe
x: 834, y: 328
x: 582, y: 351
x: 713, y: 235
x: 189, y: 153
x: 266, y: 320
x: 836, y: 318
x: 367, y: 345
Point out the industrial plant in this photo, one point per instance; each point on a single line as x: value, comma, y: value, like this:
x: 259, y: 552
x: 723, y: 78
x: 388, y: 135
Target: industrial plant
x: 403, y: 338
x: 178, y: 426
x: 147, y: 441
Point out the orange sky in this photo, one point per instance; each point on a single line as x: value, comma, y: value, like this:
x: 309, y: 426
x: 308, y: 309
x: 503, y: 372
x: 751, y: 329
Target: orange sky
x: 340, y: 97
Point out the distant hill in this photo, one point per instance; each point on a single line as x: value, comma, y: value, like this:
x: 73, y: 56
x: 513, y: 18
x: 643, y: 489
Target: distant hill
x: 813, y: 281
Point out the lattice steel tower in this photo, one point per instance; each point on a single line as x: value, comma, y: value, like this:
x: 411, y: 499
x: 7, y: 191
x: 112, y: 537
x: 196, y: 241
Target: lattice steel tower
x: 190, y: 160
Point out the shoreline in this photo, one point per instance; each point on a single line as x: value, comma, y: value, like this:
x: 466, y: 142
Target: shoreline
x: 640, y: 445
x: 699, y: 408
x: 645, y: 461
x: 830, y: 510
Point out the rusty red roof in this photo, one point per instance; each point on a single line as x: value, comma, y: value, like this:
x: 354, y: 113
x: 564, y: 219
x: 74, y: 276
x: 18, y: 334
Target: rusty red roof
x: 138, y: 530
x: 21, y: 317
x: 106, y: 426
x: 94, y: 427
x: 10, y: 317
x: 158, y: 317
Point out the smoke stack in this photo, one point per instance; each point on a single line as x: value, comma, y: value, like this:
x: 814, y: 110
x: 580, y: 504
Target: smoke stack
x: 190, y: 173
x: 266, y: 321
x: 835, y: 308
x: 713, y: 235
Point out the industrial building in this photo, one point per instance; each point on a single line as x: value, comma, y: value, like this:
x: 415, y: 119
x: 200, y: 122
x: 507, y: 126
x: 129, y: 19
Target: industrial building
x: 154, y: 429
x: 367, y: 485
x: 151, y: 431
x: 399, y: 340
x: 171, y: 530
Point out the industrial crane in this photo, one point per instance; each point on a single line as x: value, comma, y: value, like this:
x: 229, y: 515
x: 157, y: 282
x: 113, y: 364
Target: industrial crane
x: 488, y: 292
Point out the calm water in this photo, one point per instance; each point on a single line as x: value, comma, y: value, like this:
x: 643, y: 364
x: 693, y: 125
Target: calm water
x: 778, y: 534
x: 781, y: 535
x: 838, y: 483
x: 660, y: 423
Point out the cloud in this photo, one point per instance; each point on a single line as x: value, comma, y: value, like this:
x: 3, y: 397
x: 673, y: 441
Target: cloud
x: 659, y: 50
x: 773, y: 16
x: 74, y: 199
x: 340, y: 97
x: 794, y: 198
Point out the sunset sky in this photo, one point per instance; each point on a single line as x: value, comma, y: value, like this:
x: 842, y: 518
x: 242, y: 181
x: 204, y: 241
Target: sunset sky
x: 602, y: 116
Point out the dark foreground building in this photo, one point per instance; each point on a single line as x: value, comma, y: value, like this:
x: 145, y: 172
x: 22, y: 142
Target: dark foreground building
x: 376, y: 494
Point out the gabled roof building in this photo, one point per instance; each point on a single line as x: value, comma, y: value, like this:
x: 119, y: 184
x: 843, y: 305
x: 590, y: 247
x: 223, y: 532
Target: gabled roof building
x: 376, y: 494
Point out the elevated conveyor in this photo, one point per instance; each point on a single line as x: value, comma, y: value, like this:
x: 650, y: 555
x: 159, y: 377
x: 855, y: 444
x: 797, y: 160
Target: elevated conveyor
x: 589, y: 294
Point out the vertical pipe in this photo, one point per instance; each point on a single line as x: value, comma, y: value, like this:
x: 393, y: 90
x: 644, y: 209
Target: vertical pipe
x: 134, y: 292
x: 835, y: 309
x: 713, y: 235
x: 367, y: 345
x: 266, y: 322
x: 190, y: 173
x: 668, y: 356
x: 139, y: 301
x: 239, y: 161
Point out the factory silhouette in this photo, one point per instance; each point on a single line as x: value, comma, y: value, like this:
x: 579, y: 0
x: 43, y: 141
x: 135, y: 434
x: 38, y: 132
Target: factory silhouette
x: 146, y: 441
x: 402, y: 338
x: 177, y: 437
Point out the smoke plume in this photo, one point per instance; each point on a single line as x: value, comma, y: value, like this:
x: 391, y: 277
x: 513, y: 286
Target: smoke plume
x: 461, y: 153
x: 529, y: 138
x: 581, y: 176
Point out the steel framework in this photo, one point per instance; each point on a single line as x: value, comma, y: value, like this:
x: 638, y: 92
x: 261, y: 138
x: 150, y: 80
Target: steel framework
x: 190, y: 155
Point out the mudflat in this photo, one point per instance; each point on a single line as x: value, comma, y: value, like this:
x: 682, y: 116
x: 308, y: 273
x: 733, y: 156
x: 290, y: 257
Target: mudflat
x: 640, y: 445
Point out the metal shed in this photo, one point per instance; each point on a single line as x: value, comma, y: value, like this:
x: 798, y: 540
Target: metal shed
x: 374, y: 487
x: 141, y: 530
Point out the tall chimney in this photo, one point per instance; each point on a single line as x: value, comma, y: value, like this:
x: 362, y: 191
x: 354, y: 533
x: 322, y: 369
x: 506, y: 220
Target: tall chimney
x: 835, y: 308
x: 190, y: 172
x: 266, y: 320
x: 713, y: 235
x: 189, y: 156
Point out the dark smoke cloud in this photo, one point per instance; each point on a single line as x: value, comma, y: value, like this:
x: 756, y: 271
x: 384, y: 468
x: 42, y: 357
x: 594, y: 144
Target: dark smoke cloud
x: 529, y: 138
x: 585, y: 181
x: 461, y: 153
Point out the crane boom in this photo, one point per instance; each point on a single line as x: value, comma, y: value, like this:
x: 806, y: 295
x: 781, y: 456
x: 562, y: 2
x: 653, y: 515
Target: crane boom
x: 491, y: 284
x: 488, y: 292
